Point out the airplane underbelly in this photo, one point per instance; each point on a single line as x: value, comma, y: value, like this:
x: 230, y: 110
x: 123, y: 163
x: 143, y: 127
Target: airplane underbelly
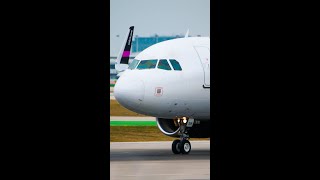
x: 177, y: 108
x: 167, y: 108
x: 180, y: 107
x: 201, y: 108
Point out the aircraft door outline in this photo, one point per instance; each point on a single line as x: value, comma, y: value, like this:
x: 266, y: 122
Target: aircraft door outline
x: 204, y: 56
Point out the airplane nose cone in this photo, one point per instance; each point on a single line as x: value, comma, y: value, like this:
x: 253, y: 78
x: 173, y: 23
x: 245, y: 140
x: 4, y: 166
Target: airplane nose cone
x: 129, y: 92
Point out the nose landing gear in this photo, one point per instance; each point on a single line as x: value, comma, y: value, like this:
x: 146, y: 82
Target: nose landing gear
x: 182, y: 145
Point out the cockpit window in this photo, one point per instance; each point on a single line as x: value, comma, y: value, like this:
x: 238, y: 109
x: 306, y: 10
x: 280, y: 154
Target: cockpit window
x: 175, y: 64
x: 163, y: 64
x: 147, y: 64
x: 133, y: 64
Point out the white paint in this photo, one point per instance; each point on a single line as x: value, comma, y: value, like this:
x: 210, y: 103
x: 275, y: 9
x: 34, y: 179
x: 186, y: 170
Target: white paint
x: 182, y: 94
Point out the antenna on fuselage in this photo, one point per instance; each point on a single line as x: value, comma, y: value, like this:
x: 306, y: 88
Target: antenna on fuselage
x: 187, y: 34
x: 122, y: 62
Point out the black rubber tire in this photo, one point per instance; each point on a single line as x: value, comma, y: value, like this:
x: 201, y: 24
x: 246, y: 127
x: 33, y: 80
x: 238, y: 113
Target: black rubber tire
x: 185, y: 147
x: 176, y: 146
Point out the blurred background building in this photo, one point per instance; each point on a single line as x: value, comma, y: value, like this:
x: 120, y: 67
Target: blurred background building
x: 141, y: 43
x: 138, y: 44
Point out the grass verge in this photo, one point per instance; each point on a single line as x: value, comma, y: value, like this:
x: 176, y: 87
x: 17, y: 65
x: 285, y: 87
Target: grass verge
x: 139, y: 134
x: 133, y: 123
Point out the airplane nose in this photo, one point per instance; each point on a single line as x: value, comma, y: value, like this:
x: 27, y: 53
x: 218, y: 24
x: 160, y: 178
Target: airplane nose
x: 129, y: 92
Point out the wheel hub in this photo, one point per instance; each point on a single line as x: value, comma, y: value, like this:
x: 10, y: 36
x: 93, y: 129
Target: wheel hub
x: 186, y: 147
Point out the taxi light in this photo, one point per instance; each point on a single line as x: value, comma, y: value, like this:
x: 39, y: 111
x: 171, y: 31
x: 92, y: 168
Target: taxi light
x: 184, y: 120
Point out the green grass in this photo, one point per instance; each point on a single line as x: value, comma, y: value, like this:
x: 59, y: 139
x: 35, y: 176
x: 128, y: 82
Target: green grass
x: 139, y: 134
x: 133, y: 123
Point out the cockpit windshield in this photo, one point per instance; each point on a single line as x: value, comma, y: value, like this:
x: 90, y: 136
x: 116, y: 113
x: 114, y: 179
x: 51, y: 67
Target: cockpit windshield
x: 133, y: 64
x: 147, y: 64
x: 163, y: 64
x: 152, y: 63
x: 175, y: 64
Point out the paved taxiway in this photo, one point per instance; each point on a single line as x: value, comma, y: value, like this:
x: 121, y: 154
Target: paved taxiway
x: 155, y: 161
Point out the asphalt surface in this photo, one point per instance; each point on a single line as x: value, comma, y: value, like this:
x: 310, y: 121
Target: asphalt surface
x: 155, y: 160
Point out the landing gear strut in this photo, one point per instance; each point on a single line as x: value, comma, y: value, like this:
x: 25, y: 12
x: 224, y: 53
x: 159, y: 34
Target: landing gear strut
x: 182, y: 145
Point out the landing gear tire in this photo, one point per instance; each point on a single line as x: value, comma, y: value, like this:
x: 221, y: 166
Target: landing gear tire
x: 176, y: 146
x: 185, y: 146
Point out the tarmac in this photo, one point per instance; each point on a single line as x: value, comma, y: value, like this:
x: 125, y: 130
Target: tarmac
x: 155, y: 161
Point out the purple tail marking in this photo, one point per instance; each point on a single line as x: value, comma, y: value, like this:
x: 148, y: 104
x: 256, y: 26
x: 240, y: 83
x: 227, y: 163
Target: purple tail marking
x: 126, y: 54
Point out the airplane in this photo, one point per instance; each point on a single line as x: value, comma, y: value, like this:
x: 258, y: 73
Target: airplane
x: 169, y: 80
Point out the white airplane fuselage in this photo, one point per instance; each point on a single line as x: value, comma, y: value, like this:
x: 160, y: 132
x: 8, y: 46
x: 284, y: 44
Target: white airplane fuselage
x: 170, y: 93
